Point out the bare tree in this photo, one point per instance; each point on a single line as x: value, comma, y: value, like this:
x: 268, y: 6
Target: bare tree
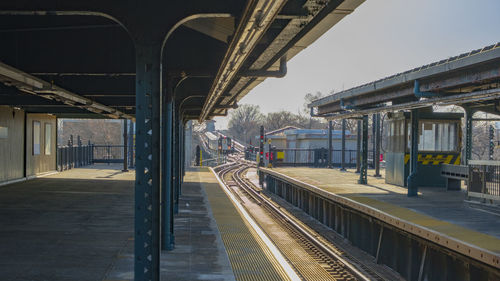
x: 98, y: 131
x: 280, y: 119
x: 244, y: 122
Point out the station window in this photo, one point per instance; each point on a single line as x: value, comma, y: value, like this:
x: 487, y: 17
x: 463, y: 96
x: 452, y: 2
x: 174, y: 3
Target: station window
x: 4, y: 132
x: 397, y: 136
x: 48, y: 138
x: 438, y: 136
x: 36, y: 138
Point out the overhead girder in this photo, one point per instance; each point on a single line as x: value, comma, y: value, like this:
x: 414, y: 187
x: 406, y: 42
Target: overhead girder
x: 165, y: 21
x: 183, y: 55
x: 93, y: 51
x: 314, y: 18
x: 71, y: 36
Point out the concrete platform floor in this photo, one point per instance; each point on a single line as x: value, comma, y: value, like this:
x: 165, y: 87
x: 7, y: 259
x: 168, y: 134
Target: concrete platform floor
x: 78, y: 225
x: 436, y: 208
x: 68, y: 226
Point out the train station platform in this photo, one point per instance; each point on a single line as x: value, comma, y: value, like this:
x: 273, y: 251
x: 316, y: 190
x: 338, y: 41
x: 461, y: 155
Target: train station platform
x: 79, y: 225
x: 249, y: 256
x: 436, y: 215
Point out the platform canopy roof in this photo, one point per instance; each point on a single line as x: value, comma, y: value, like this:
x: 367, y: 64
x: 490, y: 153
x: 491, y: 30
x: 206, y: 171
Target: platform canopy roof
x: 470, y: 80
x: 77, y: 58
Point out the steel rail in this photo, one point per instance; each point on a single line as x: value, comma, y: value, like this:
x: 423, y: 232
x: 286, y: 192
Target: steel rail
x: 291, y: 221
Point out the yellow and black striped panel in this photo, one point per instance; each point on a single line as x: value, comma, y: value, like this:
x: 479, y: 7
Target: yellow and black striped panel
x: 436, y: 158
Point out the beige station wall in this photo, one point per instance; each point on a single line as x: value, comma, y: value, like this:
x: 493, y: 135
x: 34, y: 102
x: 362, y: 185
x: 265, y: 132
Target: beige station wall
x: 44, y: 161
x: 11, y: 143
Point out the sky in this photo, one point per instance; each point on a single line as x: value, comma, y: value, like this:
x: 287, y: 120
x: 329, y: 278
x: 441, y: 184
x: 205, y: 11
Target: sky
x: 380, y: 38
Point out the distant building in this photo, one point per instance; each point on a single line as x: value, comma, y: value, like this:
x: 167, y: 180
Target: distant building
x: 293, y: 137
x: 299, y: 145
x: 210, y: 125
x: 314, y: 138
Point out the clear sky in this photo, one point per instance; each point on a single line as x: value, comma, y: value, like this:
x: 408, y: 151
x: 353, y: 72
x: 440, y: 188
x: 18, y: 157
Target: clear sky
x: 380, y: 38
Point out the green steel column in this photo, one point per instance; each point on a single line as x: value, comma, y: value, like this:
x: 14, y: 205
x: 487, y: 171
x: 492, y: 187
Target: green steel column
x: 374, y: 119
x: 131, y: 144
x: 358, y: 147
x: 342, y: 163
x: 147, y: 182
x: 413, y: 177
x: 330, y: 145
x: 167, y: 191
x: 125, y: 146
x: 175, y: 163
x: 377, y: 145
x: 363, y: 175
x: 181, y: 153
x: 468, y: 134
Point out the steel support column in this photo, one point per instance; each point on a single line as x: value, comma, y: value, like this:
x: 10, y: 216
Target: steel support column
x: 376, y: 157
x: 342, y: 163
x: 147, y: 184
x: 413, y: 177
x: 131, y: 144
x: 125, y: 146
x: 358, y: 147
x: 176, y: 161
x: 363, y: 175
x: 167, y: 190
x: 181, y: 154
x: 374, y: 119
x: 468, y: 134
x: 330, y: 148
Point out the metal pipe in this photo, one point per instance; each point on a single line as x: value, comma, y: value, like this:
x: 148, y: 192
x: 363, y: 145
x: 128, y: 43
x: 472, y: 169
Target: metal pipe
x: 346, y: 107
x: 256, y: 20
x: 419, y: 94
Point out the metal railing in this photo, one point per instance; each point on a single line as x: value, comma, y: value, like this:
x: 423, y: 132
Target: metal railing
x: 310, y: 157
x: 69, y: 157
x: 314, y: 157
x: 484, y: 180
x: 108, y: 153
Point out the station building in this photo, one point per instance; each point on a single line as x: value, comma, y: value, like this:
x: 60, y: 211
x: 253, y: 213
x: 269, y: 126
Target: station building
x: 30, y: 135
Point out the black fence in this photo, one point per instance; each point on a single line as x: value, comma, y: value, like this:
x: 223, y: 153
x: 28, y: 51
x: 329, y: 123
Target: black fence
x: 484, y: 180
x: 309, y: 157
x: 69, y: 157
x: 108, y: 153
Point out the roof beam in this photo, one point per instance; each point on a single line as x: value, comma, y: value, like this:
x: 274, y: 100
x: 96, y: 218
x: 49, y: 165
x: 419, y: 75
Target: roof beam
x: 257, y: 18
x: 36, y: 86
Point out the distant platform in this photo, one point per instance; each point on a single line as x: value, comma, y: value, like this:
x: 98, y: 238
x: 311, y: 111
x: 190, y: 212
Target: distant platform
x: 436, y: 214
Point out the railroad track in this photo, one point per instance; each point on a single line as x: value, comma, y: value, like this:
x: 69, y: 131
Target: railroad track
x: 338, y: 264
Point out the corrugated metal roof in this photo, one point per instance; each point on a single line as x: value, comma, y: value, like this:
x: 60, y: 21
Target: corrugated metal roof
x: 369, y: 86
